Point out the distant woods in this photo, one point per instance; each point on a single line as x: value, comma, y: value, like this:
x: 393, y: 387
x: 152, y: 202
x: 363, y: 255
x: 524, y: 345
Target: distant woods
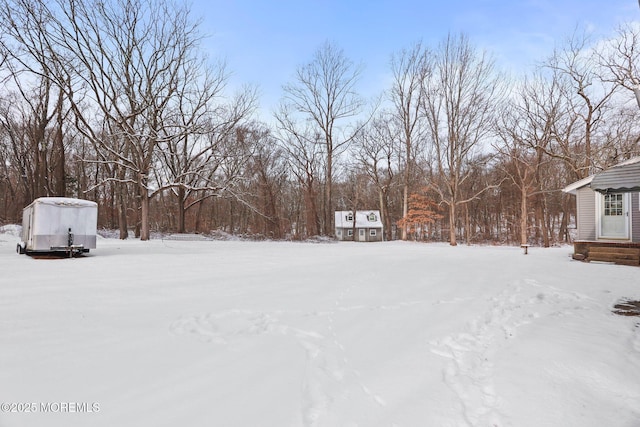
x: 116, y: 102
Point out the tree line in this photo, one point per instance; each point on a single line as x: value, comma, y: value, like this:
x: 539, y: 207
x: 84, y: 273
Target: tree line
x: 115, y: 101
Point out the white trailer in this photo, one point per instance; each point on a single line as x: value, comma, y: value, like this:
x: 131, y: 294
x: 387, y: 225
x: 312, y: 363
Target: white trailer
x: 59, y: 224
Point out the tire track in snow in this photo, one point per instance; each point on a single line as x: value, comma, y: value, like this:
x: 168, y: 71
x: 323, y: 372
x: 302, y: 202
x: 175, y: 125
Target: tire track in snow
x: 469, y: 370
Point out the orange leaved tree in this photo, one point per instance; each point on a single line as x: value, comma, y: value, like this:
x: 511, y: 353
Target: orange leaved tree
x: 422, y: 212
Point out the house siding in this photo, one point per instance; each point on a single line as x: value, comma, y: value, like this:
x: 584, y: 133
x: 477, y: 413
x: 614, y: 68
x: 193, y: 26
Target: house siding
x: 342, y: 234
x: 377, y: 237
x: 586, y: 206
x: 635, y: 217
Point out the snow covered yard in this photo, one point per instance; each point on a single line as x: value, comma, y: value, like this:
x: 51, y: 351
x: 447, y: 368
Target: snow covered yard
x: 229, y: 333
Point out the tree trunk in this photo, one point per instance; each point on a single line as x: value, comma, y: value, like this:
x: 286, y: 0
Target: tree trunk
x: 197, y: 224
x: 543, y: 232
x: 58, y: 149
x: 563, y: 234
x: 523, y: 216
x: 355, y: 210
x: 546, y: 229
x: 328, y: 218
x: 310, y: 212
x: 122, y: 217
x: 272, y: 224
x: 452, y: 225
x: 144, y: 214
x: 405, y: 207
x: 181, y: 210
x: 467, y: 224
x: 384, y: 213
x: 40, y: 168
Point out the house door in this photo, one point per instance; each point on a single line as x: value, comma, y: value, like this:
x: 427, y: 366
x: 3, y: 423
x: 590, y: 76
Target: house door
x: 362, y: 235
x: 614, y: 217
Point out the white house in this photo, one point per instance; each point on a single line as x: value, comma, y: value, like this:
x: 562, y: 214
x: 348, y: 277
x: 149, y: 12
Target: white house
x: 608, y: 211
x: 364, y: 226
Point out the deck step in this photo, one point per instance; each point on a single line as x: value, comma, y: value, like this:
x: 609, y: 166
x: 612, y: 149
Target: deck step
x: 613, y: 250
x: 615, y: 261
x: 613, y: 255
x: 624, y: 256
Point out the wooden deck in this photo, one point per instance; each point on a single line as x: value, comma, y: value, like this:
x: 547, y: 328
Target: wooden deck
x: 624, y: 253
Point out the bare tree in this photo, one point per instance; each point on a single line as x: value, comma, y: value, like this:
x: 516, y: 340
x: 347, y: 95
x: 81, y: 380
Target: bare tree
x: 410, y: 68
x: 267, y: 170
x: 460, y: 99
x: 620, y: 57
x: 587, y: 96
x: 324, y: 93
x: 621, y: 136
x: 519, y: 158
x: 127, y: 58
x: 303, y: 156
x: 197, y: 140
x: 184, y: 149
x: 377, y: 151
x: 26, y: 53
x: 538, y: 127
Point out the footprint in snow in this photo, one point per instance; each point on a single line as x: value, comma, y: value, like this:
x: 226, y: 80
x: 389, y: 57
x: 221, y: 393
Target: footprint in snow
x: 220, y: 328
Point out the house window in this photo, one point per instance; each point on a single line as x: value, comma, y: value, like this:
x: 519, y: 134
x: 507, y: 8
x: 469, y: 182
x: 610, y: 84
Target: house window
x: 613, y: 204
x: 372, y: 217
x: 372, y: 232
x: 339, y: 232
x: 349, y: 233
x: 349, y: 217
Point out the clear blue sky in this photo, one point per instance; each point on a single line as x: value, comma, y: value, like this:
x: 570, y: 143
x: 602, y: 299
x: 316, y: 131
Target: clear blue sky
x: 264, y: 41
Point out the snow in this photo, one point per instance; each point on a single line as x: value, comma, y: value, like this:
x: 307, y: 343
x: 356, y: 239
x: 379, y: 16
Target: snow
x: 237, y: 333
